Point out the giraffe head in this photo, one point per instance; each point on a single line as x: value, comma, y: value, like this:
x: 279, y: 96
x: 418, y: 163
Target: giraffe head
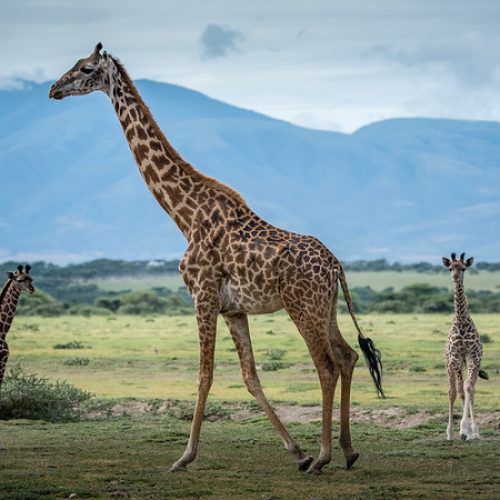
x: 456, y: 266
x: 85, y: 76
x: 22, y: 279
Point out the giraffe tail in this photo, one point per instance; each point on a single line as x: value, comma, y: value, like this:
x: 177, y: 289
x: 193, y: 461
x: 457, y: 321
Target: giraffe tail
x: 371, y: 354
x: 483, y: 375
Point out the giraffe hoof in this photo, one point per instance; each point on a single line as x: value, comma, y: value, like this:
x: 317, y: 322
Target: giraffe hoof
x: 177, y: 468
x: 313, y: 471
x: 350, y: 461
x: 305, y: 463
x: 463, y: 437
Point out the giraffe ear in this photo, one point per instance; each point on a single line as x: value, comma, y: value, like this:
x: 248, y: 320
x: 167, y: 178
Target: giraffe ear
x: 10, y: 275
x: 469, y: 262
x: 446, y: 262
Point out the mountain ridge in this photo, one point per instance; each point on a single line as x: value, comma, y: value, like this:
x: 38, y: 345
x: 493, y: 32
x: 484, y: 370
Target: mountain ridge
x: 406, y: 189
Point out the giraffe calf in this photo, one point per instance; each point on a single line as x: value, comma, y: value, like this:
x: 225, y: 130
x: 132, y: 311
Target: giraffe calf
x: 463, y: 348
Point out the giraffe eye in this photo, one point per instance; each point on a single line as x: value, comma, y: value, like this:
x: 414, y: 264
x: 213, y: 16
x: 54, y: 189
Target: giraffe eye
x: 87, y: 71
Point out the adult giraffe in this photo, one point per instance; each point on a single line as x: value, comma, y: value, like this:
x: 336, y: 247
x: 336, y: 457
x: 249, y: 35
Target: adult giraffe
x: 236, y: 264
x: 17, y: 282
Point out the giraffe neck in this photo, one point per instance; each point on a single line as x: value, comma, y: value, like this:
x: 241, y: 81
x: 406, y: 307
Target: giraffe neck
x: 9, y: 299
x: 177, y: 186
x: 460, y: 302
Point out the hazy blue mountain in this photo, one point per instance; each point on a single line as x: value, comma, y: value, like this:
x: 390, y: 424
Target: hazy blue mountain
x: 404, y: 189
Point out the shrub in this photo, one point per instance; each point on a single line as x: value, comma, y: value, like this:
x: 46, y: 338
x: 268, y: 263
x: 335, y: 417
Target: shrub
x: 275, y: 354
x: 485, y: 338
x: 142, y: 303
x: 74, y: 344
x: 417, y: 368
x: 40, y: 304
x: 26, y: 395
x: 86, y: 310
x: 77, y: 362
x: 272, y: 366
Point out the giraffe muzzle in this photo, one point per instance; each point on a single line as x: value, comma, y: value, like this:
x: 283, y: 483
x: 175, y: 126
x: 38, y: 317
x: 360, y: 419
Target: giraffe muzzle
x: 55, y: 93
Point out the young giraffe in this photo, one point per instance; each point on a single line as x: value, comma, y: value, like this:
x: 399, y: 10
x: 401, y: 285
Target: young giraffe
x: 236, y: 264
x: 463, y: 347
x: 9, y: 296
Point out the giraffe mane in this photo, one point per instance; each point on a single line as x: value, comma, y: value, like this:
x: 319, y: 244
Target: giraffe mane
x: 183, y: 164
x: 5, y: 289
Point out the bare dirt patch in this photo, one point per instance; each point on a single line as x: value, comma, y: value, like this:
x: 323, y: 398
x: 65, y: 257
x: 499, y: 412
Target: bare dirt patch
x: 394, y: 417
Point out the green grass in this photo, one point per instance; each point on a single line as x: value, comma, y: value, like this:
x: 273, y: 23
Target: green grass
x: 130, y: 457
x: 482, y: 280
x: 136, y: 283
x: 157, y: 357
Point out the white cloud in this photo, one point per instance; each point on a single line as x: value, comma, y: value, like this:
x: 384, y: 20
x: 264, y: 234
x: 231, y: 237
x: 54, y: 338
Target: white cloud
x: 481, y: 209
x: 329, y: 65
x: 218, y: 41
x: 61, y: 258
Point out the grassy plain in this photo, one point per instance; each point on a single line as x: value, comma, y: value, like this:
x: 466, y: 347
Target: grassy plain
x: 157, y: 357
x: 129, y: 458
x: 378, y: 281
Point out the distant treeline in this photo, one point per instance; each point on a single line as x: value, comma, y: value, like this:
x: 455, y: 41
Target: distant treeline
x: 105, y: 268
x: 421, y: 298
x: 98, y: 268
x: 90, y: 300
x: 65, y: 290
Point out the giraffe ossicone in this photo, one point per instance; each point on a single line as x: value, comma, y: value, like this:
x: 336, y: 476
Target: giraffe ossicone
x: 463, y: 349
x: 236, y: 264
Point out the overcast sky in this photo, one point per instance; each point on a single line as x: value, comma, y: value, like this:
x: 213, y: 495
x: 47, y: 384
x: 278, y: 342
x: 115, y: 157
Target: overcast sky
x: 327, y: 64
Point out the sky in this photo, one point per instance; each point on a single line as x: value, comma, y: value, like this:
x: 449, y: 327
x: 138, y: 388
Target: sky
x: 326, y: 64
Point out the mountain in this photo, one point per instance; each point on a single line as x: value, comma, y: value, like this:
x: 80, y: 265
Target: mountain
x: 403, y: 189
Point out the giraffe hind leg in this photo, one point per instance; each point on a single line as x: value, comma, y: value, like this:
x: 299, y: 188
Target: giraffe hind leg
x: 348, y: 358
x: 314, y: 330
x: 470, y: 387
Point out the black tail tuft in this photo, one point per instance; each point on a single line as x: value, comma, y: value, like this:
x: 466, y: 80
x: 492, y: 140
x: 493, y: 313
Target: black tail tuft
x: 483, y: 374
x: 374, y: 362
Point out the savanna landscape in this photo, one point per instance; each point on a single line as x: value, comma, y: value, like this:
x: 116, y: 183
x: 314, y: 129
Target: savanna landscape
x: 371, y: 131
x: 139, y: 377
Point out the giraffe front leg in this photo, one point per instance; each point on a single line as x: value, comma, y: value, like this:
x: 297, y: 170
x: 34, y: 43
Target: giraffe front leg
x: 452, y: 396
x: 4, y: 356
x: 207, y: 324
x: 239, y: 330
